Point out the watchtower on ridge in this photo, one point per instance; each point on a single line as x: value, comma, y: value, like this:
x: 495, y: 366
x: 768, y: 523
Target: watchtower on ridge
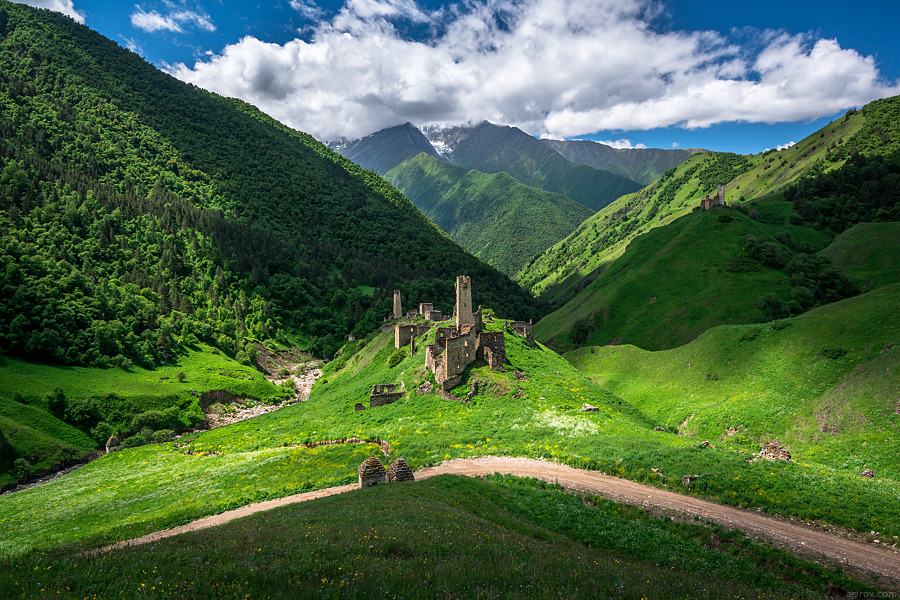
x: 464, y: 315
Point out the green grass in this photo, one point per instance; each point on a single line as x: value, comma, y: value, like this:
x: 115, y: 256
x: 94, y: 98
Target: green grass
x: 566, y: 268
x: 208, y: 369
x: 837, y: 413
x: 133, y: 492
x: 868, y: 254
x: 445, y: 537
x: 540, y: 417
x: 671, y: 284
x: 47, y: 442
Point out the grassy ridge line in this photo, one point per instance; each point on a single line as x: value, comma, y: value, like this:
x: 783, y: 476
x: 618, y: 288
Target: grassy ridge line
x: 498, y: 219
x: 824, y: 383
x: 442, y: 537
x: 562, y: 270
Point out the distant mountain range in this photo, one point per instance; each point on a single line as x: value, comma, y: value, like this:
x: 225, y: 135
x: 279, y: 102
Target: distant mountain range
x: 643, y: 165
x: 588, y: 174
x: 498, y: 219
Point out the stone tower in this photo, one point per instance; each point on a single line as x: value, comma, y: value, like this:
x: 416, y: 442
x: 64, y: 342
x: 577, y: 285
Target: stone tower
x: 398, y: 311
x: 721, y: 201
x: 464, y: 314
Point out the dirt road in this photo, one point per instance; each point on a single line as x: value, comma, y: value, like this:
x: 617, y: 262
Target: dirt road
x: 813, y: 543
x: 806, y: 540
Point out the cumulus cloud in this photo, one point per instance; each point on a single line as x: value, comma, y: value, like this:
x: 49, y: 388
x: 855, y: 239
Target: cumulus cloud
x: 555, y: 68
x: 66, y: 7
x: 174, y: 21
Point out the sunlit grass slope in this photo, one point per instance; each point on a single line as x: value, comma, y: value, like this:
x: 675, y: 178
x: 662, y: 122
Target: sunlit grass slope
x: 46, y: 441
x: 446, y: 537
x: 567, y: 267
x: 532, y: 409
x: 673, y: 283
x: 826, y: 384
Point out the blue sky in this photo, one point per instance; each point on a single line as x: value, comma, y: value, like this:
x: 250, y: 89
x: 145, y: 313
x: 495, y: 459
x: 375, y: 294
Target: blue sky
x: 737, y: 76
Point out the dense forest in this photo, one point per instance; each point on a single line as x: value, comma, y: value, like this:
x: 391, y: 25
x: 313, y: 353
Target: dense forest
x: 867, y: 186
x: 142, y: 214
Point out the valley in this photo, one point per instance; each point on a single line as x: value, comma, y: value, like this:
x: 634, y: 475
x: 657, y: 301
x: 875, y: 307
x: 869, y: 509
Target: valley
x: 606, y: 380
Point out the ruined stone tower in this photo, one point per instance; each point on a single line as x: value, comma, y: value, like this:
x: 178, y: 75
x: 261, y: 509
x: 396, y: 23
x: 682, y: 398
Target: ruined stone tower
x: 398, y: 311
x: 721, y: 195
x: 464, y: 314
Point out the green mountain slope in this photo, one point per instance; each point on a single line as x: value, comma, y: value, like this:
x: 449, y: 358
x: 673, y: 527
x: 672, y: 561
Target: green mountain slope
x: 141, y: 211
x: 868, y: 254
x: 805, y: 194
x: 826, y: 383
x: 702, y: 270
x: 494, y: 149
x: 566, y: 268
x: 501, y: 221
x: 643, y: 165
x: 533, y: 409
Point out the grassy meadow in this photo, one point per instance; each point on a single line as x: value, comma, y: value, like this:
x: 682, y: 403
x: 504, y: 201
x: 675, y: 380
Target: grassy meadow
x: 448, y: 537
x: 532, y: 409
x: 112, y: 396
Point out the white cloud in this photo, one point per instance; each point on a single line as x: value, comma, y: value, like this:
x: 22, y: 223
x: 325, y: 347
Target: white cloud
x: 66, y: 7
x: 675, y: 144
x: 781, y: 147
x: 622, y: 144
x: 133, y: 45
x: 557, y: 68
x: 174, y: 21
x: 307, y: 8
x: 153, y: 21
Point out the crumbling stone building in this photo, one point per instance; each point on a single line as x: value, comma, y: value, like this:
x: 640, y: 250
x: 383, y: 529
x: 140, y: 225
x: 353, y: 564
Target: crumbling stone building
x: 403, y: 334
x: 456, y: 347
x: 384, y: 393
x: 526, y: 330
x: 398, y: 309
x: 426, y: 309
x: 717, y: 200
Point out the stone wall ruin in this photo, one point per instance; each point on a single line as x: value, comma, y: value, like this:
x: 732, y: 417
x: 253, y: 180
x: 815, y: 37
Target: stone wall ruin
x: 526, y: 330
x: 383, y: 394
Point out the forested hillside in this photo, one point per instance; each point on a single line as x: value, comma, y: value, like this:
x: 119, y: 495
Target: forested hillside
x: 141, y: 214
x: 501, y: 221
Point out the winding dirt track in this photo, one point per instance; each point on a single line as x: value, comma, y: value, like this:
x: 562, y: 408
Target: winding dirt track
x: 813, y: 543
